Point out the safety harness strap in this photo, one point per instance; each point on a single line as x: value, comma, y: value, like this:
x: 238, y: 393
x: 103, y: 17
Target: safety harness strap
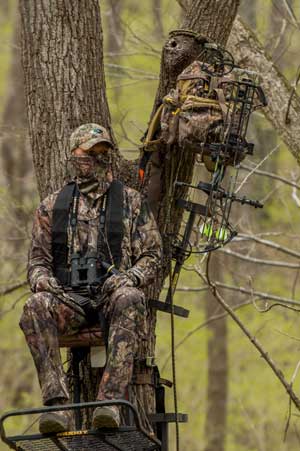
x: 60, y: 221
x: 114, y: 220
x: 64, y: 214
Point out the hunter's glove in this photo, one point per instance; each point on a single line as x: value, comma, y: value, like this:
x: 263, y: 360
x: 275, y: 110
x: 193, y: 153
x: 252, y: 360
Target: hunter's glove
x: 124, y: 279
x: 49, y: 284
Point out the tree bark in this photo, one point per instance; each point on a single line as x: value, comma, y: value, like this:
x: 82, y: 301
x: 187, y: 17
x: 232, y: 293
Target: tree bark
x: 64, y: 79
x: 212, y: 19
x: 249, y: 53
x: 216, y: 410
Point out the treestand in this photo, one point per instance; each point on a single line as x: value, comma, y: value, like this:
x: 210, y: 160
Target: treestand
x: 129, y: 437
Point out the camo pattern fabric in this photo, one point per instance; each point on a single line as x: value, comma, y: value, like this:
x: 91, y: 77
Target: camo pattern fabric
x: 126, y: 313
x: 44, y: 318
x: 87, y: 135
x: 192, y: 116
x: 141, y: 246
x: 46, y: 315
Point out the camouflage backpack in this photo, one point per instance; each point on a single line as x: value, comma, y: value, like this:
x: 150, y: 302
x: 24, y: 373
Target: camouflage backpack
x: 194, y: 114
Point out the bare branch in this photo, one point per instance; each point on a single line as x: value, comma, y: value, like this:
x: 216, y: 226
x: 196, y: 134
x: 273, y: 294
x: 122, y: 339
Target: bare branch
x: 290, y: 404
x: 248, y: 52
x: 243, y: 290
x: 268, y: 243
x: 257, y: 166
x: 295, y: 197
x: 4, y: 312
x: 271, y: 175
x: 254, y: 341
x: 295, y: 84
x: 291, y: 14
x: 12, y: 288
x: 259, y: 261
x: 201, y: 326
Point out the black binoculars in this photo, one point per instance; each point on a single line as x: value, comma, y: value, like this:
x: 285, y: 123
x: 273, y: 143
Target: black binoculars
x: 86, y: 271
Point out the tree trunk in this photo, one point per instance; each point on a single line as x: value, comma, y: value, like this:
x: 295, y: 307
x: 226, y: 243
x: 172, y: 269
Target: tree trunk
x: 249, y: 53
x: 216, y: 410
x: 64, y: 79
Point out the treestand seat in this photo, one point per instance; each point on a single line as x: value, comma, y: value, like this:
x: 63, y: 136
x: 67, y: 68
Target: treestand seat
x: 85, y: 338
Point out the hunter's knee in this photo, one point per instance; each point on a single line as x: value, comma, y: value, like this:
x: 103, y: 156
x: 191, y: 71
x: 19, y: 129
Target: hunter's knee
x: 37, y: 302
x: 127, y: 297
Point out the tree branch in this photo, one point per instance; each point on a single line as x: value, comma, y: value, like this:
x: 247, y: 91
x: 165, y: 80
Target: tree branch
x: 249, y: 53
x: 271, y: 175
x: 260, y: 261
x: 243, y: 290
x: 254, y: 341
x: 268, y: 243
x: 12, y: 288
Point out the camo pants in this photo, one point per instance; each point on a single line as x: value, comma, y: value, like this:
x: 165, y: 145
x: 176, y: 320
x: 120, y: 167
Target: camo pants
x: 45, y: 317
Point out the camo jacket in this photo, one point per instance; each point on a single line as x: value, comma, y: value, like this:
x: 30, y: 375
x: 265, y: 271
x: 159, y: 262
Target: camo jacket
x: 141, y: 246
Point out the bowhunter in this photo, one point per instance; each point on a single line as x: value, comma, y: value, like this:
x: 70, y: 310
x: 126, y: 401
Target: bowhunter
x: 93, y: 219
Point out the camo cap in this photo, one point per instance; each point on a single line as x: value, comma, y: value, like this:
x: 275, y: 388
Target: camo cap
x: 87, y: 135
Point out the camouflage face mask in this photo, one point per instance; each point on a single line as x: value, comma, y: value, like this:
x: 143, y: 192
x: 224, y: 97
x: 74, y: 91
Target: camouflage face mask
x: 91, y: 171
x: 84, y: 166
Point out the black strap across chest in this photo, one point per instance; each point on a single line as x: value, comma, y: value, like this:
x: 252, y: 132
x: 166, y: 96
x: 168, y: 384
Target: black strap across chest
x: 114, y: 220
x: 65, y: 214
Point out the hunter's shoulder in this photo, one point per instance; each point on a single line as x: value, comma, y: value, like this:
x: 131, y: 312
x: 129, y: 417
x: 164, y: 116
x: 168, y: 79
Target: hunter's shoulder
x: 133, y: 197
x: 47, y: 204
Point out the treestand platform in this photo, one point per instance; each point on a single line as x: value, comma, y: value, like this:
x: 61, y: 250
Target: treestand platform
x: 124, y: 438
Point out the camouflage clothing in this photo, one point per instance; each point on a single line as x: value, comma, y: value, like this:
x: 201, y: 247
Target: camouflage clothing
x: 45, y: 316
x: 141, y: 245
x: 87, y: 135
x: 126, y: 313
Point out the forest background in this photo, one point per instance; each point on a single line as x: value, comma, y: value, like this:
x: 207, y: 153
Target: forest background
x: 264, y: 259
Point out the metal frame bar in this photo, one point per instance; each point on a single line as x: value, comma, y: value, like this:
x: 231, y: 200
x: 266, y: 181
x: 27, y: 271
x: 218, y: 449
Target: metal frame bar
x: 94, y: 404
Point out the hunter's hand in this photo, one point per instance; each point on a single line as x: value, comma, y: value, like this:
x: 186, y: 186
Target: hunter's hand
x: 49, y: 284
x: 117, y: 281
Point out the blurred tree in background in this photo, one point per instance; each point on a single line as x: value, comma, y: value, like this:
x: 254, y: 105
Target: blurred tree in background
x: 263, y: 259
